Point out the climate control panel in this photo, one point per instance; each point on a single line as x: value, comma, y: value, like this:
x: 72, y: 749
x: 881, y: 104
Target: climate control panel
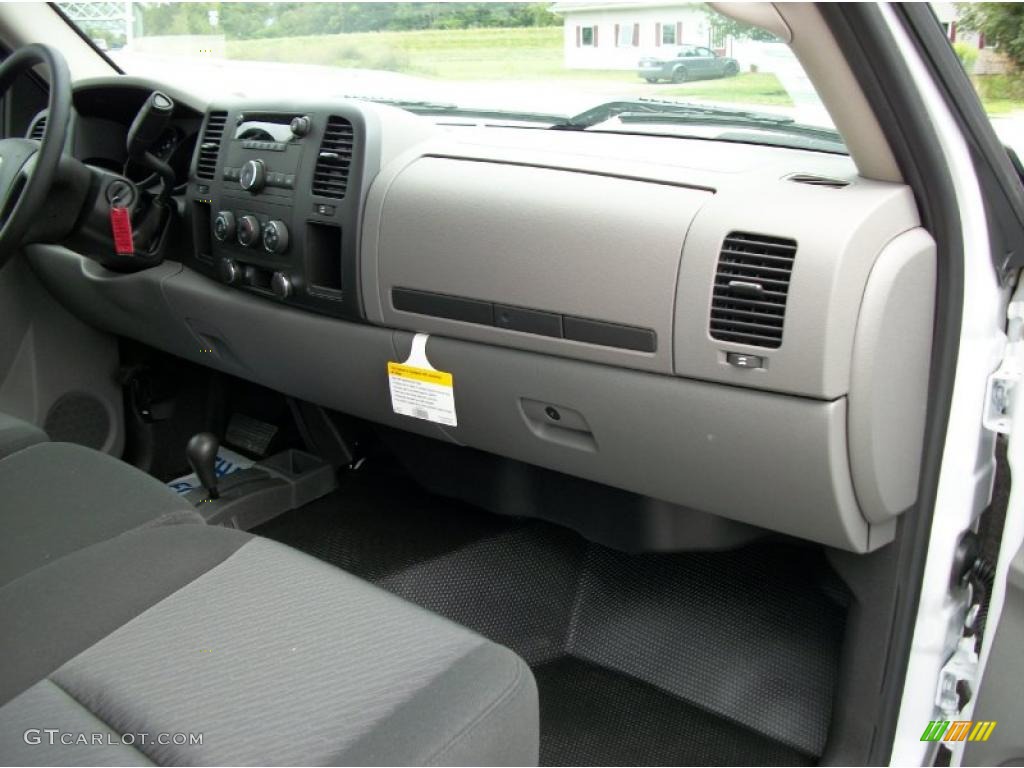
x: 253, y: 247
x: 251, y: 230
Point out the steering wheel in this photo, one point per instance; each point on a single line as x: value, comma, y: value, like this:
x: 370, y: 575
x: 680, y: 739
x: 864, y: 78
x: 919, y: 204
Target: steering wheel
x: 28, y: 167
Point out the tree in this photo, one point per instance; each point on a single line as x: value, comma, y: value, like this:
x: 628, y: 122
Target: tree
x: 737, y: 30
x: 244, y: 21
x: 1001, y: 23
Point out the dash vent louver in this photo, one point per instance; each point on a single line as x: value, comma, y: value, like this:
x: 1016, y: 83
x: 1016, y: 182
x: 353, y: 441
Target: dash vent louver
x: 330, y: 177
x: 748, y: 305
x: 209, y: 145
x: 38, y: 128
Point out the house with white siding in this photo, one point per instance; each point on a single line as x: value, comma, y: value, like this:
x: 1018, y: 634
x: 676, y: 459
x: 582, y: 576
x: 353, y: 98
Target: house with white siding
x: 614, y: 35
x: 989, y: 60
x: 949, y: 18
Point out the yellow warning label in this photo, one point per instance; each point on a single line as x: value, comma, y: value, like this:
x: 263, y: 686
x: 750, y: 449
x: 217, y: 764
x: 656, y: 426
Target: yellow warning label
x: 426, y: 375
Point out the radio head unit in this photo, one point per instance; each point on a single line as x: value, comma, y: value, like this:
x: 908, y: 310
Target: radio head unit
x: 264, y: 152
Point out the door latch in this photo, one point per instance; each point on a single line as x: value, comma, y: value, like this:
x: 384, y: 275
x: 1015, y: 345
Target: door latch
x: 1002, y: 385
x: 956, y: 680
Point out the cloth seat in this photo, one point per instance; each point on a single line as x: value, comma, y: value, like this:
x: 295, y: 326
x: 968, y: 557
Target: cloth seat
x: 56, y: 498
x: 270, y: 656
x: 16, y: 434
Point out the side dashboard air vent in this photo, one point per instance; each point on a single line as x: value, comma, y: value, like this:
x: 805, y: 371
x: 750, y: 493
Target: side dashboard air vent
x: 818, y: 181
x: 748, y: 305
x: 209, y: 145
x: 37, y: 128
x: 330, y: 178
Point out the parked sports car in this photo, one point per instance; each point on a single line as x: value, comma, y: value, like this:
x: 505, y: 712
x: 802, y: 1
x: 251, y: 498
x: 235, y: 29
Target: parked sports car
x: 688, y: 62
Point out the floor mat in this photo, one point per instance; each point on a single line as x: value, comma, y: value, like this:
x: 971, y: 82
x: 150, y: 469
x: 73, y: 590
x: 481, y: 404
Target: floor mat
x: 706, y: 658
x: 591, y: 715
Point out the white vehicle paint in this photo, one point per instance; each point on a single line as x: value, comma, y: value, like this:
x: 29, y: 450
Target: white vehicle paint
x: 966, y: 477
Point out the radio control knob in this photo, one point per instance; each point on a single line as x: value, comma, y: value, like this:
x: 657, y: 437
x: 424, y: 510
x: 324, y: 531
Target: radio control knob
x: 253, y: 176
x: 300, y: 126
x: 275, y: 237
x: 224, y: 226
x: 229, y: 271
x: 248, y: 231
x: 281, y: 285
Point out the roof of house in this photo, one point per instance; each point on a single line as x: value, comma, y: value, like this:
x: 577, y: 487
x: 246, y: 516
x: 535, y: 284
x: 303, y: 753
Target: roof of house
x: 576, y: 7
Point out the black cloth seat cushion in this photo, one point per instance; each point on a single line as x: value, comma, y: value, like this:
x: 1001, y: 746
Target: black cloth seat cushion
x: 56, y: 498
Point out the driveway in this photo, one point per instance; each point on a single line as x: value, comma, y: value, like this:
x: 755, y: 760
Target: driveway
x: 1011, y: 130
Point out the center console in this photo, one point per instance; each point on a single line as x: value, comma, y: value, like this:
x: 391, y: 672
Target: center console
x: 274, y: 200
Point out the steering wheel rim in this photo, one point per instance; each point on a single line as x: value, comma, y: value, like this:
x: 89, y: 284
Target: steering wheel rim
x: 28, y: 167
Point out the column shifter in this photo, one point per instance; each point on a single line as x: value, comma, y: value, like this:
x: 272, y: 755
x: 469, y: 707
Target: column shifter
x: 146, y: 129
x: 149, y: 125
x: 202, y: 457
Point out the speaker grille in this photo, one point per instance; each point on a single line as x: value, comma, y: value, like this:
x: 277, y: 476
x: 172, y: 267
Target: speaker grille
x: 78, y: 417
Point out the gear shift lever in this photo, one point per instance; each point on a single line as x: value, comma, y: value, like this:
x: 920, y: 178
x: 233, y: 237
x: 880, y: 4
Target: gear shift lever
x: 202, y: 457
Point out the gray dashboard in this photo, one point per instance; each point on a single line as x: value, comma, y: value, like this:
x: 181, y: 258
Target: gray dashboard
x: 738, y: 330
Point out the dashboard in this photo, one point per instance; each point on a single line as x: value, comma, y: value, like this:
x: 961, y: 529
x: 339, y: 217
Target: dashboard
x: 741, y: 331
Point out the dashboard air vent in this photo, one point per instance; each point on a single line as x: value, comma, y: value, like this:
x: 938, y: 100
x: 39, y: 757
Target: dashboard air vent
x: 818, y: 181
x: 209, y: 145
x: 330, y: 178
x: 37, y: 128
x: 748, y: 305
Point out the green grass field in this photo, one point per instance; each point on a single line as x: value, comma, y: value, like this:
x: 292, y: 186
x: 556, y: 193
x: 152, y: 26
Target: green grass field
x: 532, y: 53
x: 462, y: 54
x: 1001, y: 94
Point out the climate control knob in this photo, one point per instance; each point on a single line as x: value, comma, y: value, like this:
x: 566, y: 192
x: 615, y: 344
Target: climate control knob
x: 253, y: 176
x: 275, y: 237
x: 224, y: 226
x: 281, y: 285
x: 229, y: 271
x: 248, y: 231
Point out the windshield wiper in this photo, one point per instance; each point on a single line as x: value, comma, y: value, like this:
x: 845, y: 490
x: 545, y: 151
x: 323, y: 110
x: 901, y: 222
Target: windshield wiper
x: 440, y: 108
x: 820, y: 134
x: 663, y: 111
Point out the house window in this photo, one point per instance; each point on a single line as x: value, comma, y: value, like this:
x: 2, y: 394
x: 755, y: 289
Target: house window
x: 627, y: 35
x: 588, y: 37
x: 668, y: 33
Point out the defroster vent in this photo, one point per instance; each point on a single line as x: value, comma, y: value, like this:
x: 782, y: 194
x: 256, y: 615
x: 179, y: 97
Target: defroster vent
x: 330, y: 178
x: 209, y: 145
x: 751, y: 287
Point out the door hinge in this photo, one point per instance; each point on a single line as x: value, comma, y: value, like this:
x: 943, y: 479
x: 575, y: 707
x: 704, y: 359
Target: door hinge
x: 971, y: 585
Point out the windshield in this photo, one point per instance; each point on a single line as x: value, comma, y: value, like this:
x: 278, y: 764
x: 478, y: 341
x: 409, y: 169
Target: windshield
x: 527, y: 64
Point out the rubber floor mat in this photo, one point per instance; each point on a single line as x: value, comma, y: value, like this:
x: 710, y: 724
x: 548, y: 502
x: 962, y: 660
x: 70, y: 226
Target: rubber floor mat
x: 691, y: 658
x: 591, y: 715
